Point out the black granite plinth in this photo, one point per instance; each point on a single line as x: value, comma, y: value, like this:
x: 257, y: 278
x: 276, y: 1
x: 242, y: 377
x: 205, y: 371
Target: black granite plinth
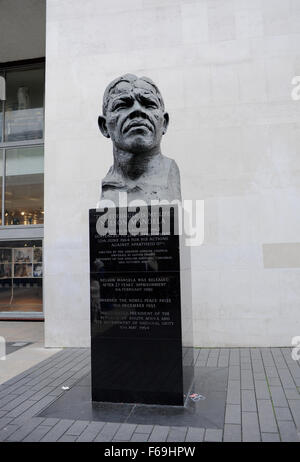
x: 210, y: 382
x: 136, y: 309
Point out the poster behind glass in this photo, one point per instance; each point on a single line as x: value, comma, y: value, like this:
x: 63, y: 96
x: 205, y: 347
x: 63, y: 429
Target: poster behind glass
x: 21, y: 276
x: 21, y: 262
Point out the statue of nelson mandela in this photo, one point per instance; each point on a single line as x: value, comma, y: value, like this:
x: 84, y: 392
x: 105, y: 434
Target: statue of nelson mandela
x: 134, y: 118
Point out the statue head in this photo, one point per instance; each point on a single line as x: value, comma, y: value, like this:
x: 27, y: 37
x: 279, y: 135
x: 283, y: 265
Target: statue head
x: 134, y: 116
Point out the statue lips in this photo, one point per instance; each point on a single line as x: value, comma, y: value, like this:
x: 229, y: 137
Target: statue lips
x: 138, y: 124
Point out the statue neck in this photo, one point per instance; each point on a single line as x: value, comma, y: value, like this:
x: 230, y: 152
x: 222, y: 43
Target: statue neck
x: 131, y: 165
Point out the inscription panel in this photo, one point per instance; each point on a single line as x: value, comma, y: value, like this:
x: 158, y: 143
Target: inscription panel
x: 145, y: 304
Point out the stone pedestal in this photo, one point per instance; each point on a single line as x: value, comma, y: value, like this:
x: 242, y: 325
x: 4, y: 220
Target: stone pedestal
x: 141, y: 322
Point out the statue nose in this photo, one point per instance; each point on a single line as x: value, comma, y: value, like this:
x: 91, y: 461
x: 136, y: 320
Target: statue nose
x: 137, y: 112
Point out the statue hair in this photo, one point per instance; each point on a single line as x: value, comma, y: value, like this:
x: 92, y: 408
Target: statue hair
x: 130, y: 78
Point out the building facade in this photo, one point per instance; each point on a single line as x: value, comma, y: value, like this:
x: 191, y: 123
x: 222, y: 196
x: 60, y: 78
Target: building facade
x: 22, y: 73
x: 225, y: 69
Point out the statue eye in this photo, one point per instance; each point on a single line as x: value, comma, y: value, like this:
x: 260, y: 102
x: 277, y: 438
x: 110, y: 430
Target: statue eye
x: 118, y: 106
x: 149, y: 103
x: 122, y: 104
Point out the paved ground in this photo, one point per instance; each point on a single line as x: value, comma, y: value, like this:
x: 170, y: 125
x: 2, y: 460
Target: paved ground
x: 263, y: 401
x: 24, y: 358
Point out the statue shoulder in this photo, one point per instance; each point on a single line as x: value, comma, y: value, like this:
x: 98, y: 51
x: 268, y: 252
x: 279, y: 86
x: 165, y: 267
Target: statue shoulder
x: 172, y: 166
x: 112, y: 178
x: 173, y: 178
x: 169, y: 163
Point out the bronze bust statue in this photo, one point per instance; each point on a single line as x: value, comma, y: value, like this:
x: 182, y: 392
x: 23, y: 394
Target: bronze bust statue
x: 134, y: 118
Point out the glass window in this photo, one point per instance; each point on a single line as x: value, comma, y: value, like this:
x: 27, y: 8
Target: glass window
x: 24, y: 107
x: 24, y: 187
x: 1, y: 180
x: 2, y: 95
x: 21, y: 276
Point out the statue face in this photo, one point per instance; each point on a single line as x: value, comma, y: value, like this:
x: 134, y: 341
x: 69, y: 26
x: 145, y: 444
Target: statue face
x: 135, y: 120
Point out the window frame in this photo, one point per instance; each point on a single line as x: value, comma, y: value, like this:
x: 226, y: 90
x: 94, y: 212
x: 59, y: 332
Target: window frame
x: 5, y: 145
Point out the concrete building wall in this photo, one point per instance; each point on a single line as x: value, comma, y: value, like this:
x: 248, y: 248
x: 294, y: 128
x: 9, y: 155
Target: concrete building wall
x: 22, y: 29
x: 225, y: 70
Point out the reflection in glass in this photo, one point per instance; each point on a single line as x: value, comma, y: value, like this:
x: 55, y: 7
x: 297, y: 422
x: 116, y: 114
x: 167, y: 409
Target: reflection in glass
x: 24, y: 191
x: 24, y: 107
x: 27, y: 295
x: 5, y: 294
x: 21, y: 282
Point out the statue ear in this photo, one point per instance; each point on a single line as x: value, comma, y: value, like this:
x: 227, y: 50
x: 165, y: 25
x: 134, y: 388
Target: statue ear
x: 103, y: 126
x: 166, y: 122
